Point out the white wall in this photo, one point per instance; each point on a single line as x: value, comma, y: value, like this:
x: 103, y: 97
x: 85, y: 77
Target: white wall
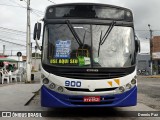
x: 36, y: 63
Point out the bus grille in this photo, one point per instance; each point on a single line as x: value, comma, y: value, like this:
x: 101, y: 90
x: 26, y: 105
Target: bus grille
x: 92, y: 75
x: 87, y: 90
x: 91, y: 103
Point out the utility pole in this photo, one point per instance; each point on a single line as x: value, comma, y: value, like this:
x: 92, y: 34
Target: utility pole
x: 31, y: 54
x: 28, y: 44
x: 4, y: 49
x: 35, y: 56
x: 151, y: 61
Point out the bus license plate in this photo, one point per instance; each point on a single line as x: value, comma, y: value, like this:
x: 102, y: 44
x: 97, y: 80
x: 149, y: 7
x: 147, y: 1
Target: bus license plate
x: 91, y: 99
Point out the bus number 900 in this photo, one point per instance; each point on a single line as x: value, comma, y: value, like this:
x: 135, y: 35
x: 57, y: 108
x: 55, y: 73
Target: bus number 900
x: 73, y: 83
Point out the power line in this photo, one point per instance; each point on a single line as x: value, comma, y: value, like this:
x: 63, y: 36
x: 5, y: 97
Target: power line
x: 12, y: 30
x: 12, y: 33
x: 2, y: 40
x: 51, y: 1
x: 10, y: 5
x: 37, y: 11
x: 12, y: 42
x: 9, y: 31
x: 25, y: 1
x: 26, y: 8
x: 17, y: 3
x: 12, y: 38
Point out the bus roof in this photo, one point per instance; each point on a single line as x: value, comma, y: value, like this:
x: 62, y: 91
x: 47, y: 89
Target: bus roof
x: 101, y: 4
x: 88, y: 10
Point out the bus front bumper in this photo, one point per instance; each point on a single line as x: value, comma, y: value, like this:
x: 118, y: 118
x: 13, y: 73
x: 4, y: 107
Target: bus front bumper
x: 50, y: 98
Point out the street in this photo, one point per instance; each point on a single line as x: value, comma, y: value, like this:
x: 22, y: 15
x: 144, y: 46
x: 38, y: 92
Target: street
x: 149, y: 92
x: 148, y: 100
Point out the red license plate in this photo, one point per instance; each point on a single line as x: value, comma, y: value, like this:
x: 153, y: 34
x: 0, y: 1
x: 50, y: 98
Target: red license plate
x: 91, y: 99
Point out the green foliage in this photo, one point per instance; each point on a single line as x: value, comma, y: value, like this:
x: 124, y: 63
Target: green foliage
x: 155, y: 67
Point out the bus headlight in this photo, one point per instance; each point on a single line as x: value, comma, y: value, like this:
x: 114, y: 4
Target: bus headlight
x: 121, y: 89
x: 45, y: 81
x: 52, y: 86
x: 133, y: 81
x: 60, y: 89
x: 128, y: 86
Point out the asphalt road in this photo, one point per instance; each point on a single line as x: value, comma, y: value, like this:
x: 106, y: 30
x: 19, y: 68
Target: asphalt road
x: 149, y: 92
x: 148, y: 100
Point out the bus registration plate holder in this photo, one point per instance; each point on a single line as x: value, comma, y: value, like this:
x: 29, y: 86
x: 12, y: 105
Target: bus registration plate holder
x: 91, y: 99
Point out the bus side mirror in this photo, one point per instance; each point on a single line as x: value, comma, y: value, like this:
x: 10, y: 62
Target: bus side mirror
x: 137, y: 46
x: 37, y: 31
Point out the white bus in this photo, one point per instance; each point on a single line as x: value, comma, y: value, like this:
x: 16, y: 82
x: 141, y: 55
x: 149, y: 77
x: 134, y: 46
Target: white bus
x: 88, y: 56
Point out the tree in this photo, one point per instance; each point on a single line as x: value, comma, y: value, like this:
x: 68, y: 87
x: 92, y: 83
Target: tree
x: 155, y: 68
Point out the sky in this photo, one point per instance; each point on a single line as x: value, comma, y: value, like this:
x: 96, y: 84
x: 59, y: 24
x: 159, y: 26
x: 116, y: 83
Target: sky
x: 13, y: 20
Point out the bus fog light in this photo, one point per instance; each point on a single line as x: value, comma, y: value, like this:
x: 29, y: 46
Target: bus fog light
x: 45, y: 81
x: 133, y: 81
x: 60, y: 89
x: 121, y: 89
x: 128, y: 86
x: 52, y: 86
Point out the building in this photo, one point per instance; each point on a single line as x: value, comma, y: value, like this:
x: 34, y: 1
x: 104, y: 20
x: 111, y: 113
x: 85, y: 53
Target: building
x: 156, y: 54
x: 156, y: 48
x: 143, y: 62
x: 36, y: 63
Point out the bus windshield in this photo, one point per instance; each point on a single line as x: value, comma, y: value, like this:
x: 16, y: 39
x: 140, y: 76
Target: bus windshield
x: 91, y: 49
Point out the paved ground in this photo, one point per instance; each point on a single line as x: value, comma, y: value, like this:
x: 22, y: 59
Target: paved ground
x: 15, y: 95
x: 148, y: 100
x: 149, y: 92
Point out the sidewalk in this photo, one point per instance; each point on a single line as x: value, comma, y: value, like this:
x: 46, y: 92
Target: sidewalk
x: 14, y: 96
x: 153, y: 76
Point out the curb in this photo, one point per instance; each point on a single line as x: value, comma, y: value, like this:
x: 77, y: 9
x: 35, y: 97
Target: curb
x: 152, y: 76
x: 35, y: 93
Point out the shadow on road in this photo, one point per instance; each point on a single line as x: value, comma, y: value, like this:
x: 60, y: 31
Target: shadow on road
x: 85, y: 112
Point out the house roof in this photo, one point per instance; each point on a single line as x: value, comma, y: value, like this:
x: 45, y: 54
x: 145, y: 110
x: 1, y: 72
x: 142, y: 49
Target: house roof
x: 4, y: 59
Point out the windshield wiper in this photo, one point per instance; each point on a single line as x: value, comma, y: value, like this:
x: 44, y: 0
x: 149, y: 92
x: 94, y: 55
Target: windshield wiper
x: 99, y: 43
x: 83, y: 41
x: 108, y: 32
x: 74, y: 33
x: 103, y: 39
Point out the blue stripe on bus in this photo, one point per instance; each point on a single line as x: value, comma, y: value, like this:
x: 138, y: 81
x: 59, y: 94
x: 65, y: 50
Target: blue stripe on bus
x: 50, y: 98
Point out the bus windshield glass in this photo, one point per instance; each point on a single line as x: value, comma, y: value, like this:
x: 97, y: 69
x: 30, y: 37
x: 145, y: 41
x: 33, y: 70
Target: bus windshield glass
x: 89, y: 48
